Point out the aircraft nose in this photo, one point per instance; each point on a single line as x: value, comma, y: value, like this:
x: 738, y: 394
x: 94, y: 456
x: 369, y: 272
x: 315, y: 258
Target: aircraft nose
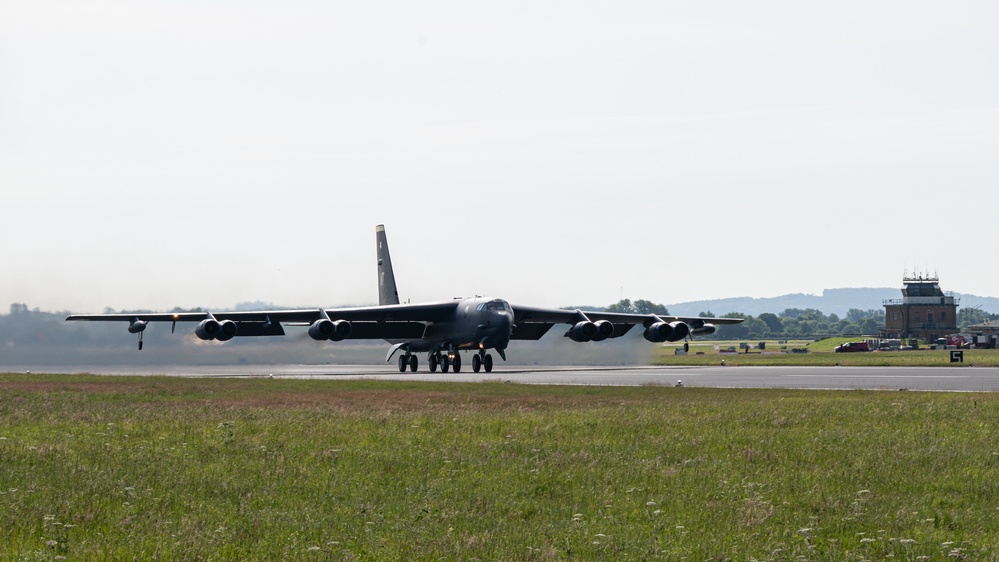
x: 502, y: 324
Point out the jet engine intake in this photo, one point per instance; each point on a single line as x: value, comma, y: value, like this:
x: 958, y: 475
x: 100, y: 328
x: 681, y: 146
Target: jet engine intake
x: 605, y: 329
x: 207, y: 329
x: 325, y: 329
x: 680, y: 331
x: 583, y: 331
x: 658, y: 332
x: 341, y: 330
x: 227, y: 330
x: 321, y: 329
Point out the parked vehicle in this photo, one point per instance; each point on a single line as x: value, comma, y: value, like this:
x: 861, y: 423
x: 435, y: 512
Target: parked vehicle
x: 852, y: 346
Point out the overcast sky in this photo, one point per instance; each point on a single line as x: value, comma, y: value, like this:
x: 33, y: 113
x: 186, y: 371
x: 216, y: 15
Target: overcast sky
x: 157, y: 154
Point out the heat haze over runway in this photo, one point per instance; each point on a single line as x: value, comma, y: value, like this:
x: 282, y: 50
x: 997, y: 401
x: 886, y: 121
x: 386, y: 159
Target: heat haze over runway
x: 955, y: 379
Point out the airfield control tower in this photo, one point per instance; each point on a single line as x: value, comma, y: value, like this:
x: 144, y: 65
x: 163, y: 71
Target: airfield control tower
x: 923, y: 312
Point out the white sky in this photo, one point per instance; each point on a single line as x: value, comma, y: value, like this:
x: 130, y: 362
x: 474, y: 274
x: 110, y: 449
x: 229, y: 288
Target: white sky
x: 157, y: 154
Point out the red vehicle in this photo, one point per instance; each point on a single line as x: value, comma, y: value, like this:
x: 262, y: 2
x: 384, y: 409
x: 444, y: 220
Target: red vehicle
x: 959, y: 341
x: 852, y: 346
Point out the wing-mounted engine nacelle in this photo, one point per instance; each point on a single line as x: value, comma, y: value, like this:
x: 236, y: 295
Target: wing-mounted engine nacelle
x: 605, y: 329
x: 136, y: 326
x: 680, y: 331
x: 207, y: 329
x: 704, y: 330
x: 583, y: 331
x: 211, y: 329
x: 329, y: 330
x: 227, y: 330
x: 663, y: 331
x: 658, y: 332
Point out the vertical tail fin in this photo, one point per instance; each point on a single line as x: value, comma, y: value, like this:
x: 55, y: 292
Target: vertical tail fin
x: 387, y: 292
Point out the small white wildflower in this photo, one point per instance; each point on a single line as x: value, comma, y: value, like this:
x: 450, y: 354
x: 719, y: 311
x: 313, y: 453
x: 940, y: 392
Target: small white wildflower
x: 907, y: 541
x: 804, y: 530
x: 51, y: 542
x: 312, y: 548
x: 657, y: 512
x: 868, y: 539
x: 599, y: 535
x: 650, y: 503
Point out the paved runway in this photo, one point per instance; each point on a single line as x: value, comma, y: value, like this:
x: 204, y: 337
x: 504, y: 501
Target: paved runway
x: 964, y: 378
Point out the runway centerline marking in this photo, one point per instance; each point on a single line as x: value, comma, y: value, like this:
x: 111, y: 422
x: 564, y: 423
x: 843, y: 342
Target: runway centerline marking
x: 885, y: 376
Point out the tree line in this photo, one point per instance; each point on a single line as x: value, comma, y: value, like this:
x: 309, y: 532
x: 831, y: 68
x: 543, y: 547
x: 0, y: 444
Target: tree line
x: 795, y: 323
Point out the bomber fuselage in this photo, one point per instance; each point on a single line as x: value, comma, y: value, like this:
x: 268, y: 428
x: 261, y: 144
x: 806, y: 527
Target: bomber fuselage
x: 476, y: 323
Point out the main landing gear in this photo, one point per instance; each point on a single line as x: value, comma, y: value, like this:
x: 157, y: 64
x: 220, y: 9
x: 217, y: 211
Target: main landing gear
x: 445, y: 361
x: 408, y: 360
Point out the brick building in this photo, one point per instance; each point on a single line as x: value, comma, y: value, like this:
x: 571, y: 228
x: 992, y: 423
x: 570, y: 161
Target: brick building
x: 923, y: 312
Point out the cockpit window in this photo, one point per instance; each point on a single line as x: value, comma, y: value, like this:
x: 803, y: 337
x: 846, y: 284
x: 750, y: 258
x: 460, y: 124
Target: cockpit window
x: 497, y: 305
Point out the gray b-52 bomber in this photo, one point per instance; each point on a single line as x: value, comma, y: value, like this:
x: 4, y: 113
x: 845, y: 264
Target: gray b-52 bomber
x: 439, y: 329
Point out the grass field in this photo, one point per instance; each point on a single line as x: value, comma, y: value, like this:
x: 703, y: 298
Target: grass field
x: 820, y: 353
x: 116, y: 468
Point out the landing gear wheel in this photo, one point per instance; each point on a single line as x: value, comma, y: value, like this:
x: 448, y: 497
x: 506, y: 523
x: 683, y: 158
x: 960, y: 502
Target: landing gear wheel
x: 686, y: 346
x: 487, y: 362
x: 476, y: 363
x: 444, y: 363
x: 414, y: 363
x: 403, y: 363
x: 456, y: 362
x: 432, y: 362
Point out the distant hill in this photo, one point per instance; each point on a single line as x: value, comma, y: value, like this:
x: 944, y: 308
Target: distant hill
x: 831, y: 301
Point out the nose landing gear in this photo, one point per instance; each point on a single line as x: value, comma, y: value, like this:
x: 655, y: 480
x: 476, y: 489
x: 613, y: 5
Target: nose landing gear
x: 482, y: 360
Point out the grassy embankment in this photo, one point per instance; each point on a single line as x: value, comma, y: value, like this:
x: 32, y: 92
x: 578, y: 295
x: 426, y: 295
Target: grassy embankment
x: 820, y: 353
x: 123, y: 468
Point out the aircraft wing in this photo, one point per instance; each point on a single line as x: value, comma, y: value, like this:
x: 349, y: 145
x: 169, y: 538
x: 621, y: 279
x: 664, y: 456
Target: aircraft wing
x: 562, y: 316
x: 533, y: 322
x: 367, y: 322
